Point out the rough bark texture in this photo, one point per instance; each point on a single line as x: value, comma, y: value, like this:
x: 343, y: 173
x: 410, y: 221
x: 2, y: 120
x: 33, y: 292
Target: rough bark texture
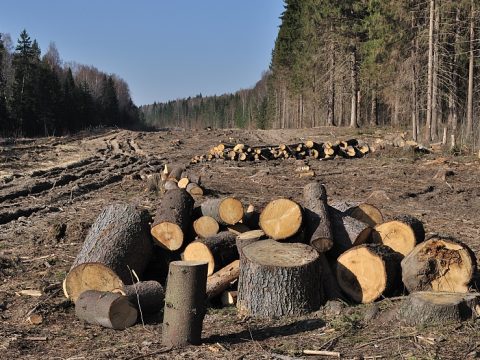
x: 119, y: 241
x: 226, y: 211
x: 218, y: 250
x: 107, y: 309
x: 317, y: 230
x: 369, y: 271
x: 439, y: 264
x: 278, y: 279
x: 425, y: 308
x: 148, y: 296
x: 172, y: 222
x: 221, y: 280
x: 184, y: 303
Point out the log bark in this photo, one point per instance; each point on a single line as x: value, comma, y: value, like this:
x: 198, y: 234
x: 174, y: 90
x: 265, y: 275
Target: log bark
x: 424, y: 308
x: 106, y: 309
x: 318, y: 230
x: 176, y: 173
x: 281, y: 219
x: 439, y: 264
x: 226, y: 211
x: 330, y: 288
x: 369, y: 271
x: 206, y: 226
x: 218, y: 250
x: 194, y: 189
x: 278, y: 279
x: 184, y: 303
x: 402, y: 234
x: 147, y: 296
x: 172, y: 222
x: 222, y: 279
x: 117, y: 242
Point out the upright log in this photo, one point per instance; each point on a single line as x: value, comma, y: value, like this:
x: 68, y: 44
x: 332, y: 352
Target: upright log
x: 318, y: 231
x: 281, y: 219
x: 184, y: 303
x: 292, y: 272
x: 117, y: 243
x: 172, y: 222
x: 226, y: 211
x: 147, y: 296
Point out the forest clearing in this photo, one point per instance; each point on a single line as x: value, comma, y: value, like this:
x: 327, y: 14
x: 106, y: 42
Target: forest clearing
x: 52, y: 190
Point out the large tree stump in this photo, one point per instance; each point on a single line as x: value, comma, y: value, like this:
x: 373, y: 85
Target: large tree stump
x: 439, y: 264
x: 425, y: 308
x: 111, y: 310
x: 226, y: 211
x: 218, y: 250
x: 281, y: 219
x: 221, y: 280
x: 147, y: 296
x: 318, y: 231
x: 369, y: 271
x: 184, y: 303
x: 401, y: 234
x: 173, y: 219
x: 278, y: 279
x: 117, y: 242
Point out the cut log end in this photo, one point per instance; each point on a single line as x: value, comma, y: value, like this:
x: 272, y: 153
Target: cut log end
x: 281, y: 219
x: 397, y: 235
x: 168, y: 235
x: 230, y: 211
x: 199, y: 252
x: 367, y: 213
x: 206, y: 226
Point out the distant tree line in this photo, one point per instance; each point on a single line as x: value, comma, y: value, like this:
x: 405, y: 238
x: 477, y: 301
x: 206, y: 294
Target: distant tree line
x: 353, y: 63
x: 41, y: 96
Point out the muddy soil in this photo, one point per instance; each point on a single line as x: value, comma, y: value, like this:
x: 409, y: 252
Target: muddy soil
x: 51, y: 189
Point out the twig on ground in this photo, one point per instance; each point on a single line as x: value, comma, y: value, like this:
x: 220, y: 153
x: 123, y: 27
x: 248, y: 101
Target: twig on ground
x: 42, y: 302
x: 164, y: 350
x: 385, y: 339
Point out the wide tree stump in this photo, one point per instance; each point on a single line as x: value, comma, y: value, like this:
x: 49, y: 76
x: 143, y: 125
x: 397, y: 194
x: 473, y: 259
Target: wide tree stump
x: 218, y: 250
x: 369, y: 271
x: 278, y: 279
x: 184, y: 303
x: 147, y: 296
x: 111, y: 310
x: 361, y: 211
x: 317, y: 219
x: 205, y: 226
x: 221, y: 280
x: 117, y: 243
x: 281, y: 219
x: 425, y: 308
x: 439, y: 264
x: 172, y: 222
x: 226, y: 211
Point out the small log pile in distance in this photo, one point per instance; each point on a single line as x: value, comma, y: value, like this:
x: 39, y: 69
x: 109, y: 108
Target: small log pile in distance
x: 286, y: 259
x: 309, y: 149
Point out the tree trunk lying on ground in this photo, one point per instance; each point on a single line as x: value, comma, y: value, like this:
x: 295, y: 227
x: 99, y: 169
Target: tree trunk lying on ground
x: 292, y: 272
x: 369, y: 271
x: 425, y: 308
x: 281, y: 219
x: 318, y: 230
x: 221, y: 280
x: 173, y: 219
x: 402, y: 234
x: 118, y: 242
x: 147, y: 296
x: 184, y: 303
x: 111, y: 310
x: 439, y: 264
x: 218, y: 250
x: 226, y: 211
x: 367, y: 213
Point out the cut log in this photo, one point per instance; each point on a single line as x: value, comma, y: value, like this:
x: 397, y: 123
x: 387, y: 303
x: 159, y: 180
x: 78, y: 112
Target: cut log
x: 318, y: 231
x: 221, y: 280
x: 281, y: 219
x: 229, y: 298
x: 292, y: 272
x: 424, y: 308
x: 363, y: 212
x: 248, y: 238
x: 369, y: 271
x: 206, y: 226
x: 183, y: 182
x: 194, y: 189
x: 218, y: 250
x: 147, y: 296
x: 170, y: 185
x: 117, y: 242
x: 184, y: 303
x: 107, y: 309
x: 226, y: 211
x: 401, y: 234
x: 172, y: 222
x: 439, y: 264
x: 176, y: 173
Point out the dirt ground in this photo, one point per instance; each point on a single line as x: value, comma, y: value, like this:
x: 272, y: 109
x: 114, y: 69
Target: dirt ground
x: 51, y: 189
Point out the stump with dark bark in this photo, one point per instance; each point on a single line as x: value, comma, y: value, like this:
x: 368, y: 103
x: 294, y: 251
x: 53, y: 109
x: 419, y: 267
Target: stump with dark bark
x: 401, y: 234
x: 217, y: 250
x: 278, y: 279
x: 425, y: 308
x: 226, y: 211
x: 439, y: 264
x: 111, y: 310
x: 117, y: 243
x: 172, y: 221
x: 184, y: 303
x: 147, y: 296
x: 318, y: 230
x: 281, y: 219
x: 369, y: 271
x: 221, y: 280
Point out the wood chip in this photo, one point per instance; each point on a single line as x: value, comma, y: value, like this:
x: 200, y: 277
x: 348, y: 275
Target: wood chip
x: 29, y: 292
x: 322, y: 353
x: 36, y: 338
x: 35, y: 319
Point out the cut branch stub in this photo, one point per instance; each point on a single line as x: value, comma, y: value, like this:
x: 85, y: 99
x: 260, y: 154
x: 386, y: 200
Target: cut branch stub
x: 281, y: 219
x: 226, y: 211
x: 439, y: 264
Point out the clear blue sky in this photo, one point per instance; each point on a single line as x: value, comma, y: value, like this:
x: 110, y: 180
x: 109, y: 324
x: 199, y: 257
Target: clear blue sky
x: 164, y: 49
